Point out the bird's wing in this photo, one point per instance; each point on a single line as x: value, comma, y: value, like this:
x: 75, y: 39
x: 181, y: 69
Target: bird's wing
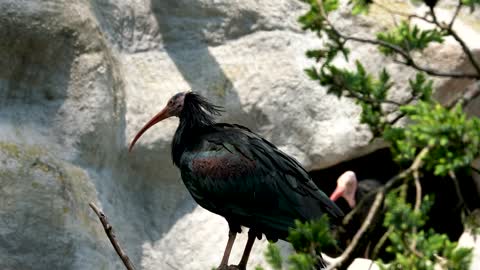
x: 247, y: 175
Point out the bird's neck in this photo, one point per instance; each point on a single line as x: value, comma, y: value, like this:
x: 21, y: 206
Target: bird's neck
x: 186, y: 136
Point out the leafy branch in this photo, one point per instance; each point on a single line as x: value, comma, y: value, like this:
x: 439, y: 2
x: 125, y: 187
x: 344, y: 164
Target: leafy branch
x: 439, y: 140
x: 322, y: 24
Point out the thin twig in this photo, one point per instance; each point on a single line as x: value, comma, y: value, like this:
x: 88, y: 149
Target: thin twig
x: 460, y: 41
x: 467, y: 51
x: 381, y: 242
x: 418, y: 201
x: 351, y: 247
x: 457, y: 11
x: 409, y: 16
x: 475, y: 169
x: 437, y: 73
x: 353, y: 94
x: 409, y: 61
x: 349, y: 251
x: 411, y: 247
x: 470, y: 95
x: 467, y: 97
x: 418, y: 191
x: 457, y: 186
x: 109, y: 231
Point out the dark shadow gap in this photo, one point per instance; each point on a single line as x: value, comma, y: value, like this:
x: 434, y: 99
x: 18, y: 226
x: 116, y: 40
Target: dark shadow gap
x: 444, y: 217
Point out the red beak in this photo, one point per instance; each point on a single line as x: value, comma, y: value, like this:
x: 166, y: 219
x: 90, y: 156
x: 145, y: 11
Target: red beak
x: 337, y: 193
x: 157, y: 118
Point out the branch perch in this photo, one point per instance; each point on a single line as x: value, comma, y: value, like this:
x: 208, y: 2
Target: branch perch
x: 109, y: 231
x: 408, y: 60
x: 349, y: 251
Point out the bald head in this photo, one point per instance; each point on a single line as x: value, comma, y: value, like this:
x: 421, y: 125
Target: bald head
x: 346, y: 188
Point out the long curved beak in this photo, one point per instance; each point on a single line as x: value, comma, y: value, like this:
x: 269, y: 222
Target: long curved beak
x: 163, y: 114
x: 337, y: 193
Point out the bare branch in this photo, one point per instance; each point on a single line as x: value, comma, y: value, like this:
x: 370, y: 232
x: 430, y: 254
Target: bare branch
x: 368, y: 220
x: 109, y: 231
x: 457, y: 187
x: 457, y: 10
x: 409, y: 16
x: 460, y: 41
x: 475, y: 169
x: 381, y: 242
x: 416, y: 209
x: 437, y: 73
x: 348, y: 253
x: 470, y: 96
x: 370, y: 100
x: 466, y: 98
x: 467, y: 51
x: 409, y: 61
x: 418, y: 191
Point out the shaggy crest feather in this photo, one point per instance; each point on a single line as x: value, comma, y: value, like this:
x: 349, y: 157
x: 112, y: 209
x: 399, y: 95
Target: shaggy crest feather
x: 199, y: 111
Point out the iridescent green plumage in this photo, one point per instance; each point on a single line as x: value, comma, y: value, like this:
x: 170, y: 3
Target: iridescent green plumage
x: 233, y: 172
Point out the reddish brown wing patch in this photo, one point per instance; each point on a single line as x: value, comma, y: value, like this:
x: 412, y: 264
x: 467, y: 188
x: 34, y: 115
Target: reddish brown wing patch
x: 222, y: 167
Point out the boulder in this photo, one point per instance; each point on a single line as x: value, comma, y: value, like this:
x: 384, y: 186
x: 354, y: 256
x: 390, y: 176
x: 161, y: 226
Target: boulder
x: 45, y: 222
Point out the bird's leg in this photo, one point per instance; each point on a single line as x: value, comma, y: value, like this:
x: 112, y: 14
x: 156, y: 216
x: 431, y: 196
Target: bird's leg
x: 248, y: 247
x: 231, y: 239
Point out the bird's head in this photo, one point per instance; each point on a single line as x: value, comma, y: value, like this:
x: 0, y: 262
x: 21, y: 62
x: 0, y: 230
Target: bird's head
x: 187, y: 105
x: 346, y: 188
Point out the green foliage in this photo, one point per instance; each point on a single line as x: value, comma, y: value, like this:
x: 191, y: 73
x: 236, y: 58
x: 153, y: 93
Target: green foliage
x: 400, y: 214
x: 312, y: 20
x: 453, y: 138
x: 471, y: 4
x: 360, y: 6
x: 414, y: 248
x: 421, y: 87
x: 301, y: 261
x: 409, y: 38
x: 296, y: 261
x: 307, y: 239
x: 272, y: 254
x: 311, y: 236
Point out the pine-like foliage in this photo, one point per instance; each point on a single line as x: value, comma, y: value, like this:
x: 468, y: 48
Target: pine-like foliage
x: 437, y: 140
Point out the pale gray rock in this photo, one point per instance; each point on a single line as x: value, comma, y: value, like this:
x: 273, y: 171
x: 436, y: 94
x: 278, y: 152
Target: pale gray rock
x: 44, y: 220
x: 79, y: 79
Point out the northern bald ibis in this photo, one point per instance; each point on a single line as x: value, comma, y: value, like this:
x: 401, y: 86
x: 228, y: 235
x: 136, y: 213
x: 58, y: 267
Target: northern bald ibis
x: 233, y: 172
x: 351, y: 190
x: 354, y: 191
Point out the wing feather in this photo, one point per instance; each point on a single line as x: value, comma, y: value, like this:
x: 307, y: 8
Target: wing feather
x: 246, y: 177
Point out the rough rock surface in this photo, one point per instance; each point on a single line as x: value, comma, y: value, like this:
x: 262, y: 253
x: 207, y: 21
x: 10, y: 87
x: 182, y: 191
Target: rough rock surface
x: 78, y: 79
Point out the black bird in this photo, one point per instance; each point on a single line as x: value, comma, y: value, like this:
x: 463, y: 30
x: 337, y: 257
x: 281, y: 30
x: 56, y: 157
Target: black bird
x: 353, y: 191
x: 233, y: 172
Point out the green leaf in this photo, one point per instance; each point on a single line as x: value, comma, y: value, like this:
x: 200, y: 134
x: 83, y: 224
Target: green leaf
x: 301, y: 261
x: 360, y: 6
x: 272, y: 254
x: 409, y: 38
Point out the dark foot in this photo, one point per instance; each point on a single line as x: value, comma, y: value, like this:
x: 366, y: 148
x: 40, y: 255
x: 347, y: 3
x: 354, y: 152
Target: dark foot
x: 230, y: 267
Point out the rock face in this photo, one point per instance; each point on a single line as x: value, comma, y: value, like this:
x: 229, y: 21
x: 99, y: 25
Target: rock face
x: 78, y: 79
x: 45, y: 222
